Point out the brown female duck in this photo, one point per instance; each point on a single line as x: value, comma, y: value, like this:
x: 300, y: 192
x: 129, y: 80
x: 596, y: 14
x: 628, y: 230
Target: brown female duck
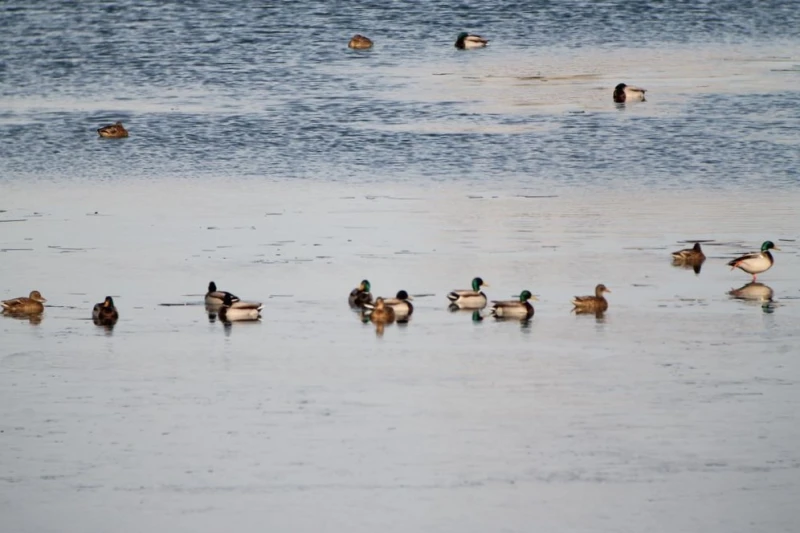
x: 592, y: 304
x: 22, y: 305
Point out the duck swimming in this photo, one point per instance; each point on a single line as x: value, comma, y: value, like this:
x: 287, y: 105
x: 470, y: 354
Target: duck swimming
x: 381, y: 313
x: 239, y: 311
x: 689, y: 257
x: 113, y: 131
x: 466, y: 41
x: 756, y: 262
x: 592, y: 304
x: 105, y: 314
x: 520, y: 309
x: 22, y: 305
x: 627, y: 93
x: 215, y: 297
x: 469, y: 299
x: 360, y: 295
x: 359, y: 42
x: 400, y: 304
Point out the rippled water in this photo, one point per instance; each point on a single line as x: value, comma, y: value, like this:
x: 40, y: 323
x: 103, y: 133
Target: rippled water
x: 267, y: 156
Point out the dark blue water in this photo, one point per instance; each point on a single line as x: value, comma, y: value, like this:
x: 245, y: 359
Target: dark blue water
x: 244, y: 90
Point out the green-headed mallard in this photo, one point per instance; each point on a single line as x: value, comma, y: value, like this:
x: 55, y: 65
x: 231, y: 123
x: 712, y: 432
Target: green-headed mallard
x: 381, y: 313
x: 466, y: 41
x: 469, y: 299
x: 360, y: 295
x: 359, y: 42
x: 520, y: 309
x: 239, y: 311
x: 22, y: 305
x: 400, y: 304
x: 215, y: 297
x: 593, y: 304
x: 105, y: 314
x: 628, y: 93
x: 756, y: 262
x: 113, y: 131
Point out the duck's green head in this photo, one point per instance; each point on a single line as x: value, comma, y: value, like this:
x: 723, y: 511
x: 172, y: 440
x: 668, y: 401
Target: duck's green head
x: 769, y: 245
x: 109, y: 302
x: 477, y: 283
x: 461, y: 36
x: 227, y: 301
x: 403, y: 295
x: 526, y: 295
x: 365, y: 286
x: 212, y: 287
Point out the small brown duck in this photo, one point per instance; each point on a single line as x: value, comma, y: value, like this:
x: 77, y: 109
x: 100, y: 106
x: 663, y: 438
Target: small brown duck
x: 381, y: 313
x: 22, y: 305
x: 359, y: 42
x: 113, y: 131
x: 689, y: 258
x: 105, y: 314
x: 591, y: 304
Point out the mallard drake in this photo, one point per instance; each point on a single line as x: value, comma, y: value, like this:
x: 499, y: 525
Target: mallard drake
x: 400, y: 304
x: 360, y: 42
x: 521, y: 309
x: 215, y: 297
x: 466, y: 41
x: 756, y: 262
x: 381, y: 313
x: 105, y: 314
x: 360, y: 295
x: 469, y: 299
x: 689, y: 258
x: 113, y: 131
x: 22, y: 305
x: 628, y: 93
x: 593, y: 304
x: 239, y: 311
x: 753, y: 291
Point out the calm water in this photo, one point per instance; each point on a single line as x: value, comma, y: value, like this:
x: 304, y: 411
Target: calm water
x: 267, y: 156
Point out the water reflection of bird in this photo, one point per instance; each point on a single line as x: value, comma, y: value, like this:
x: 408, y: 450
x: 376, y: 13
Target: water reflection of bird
x: 689, y: 258
x: 104, y: 313
x: 469, y: 299
x: 592, y: 304
x: 520, y: 309
x: 628, y: 93
x: 756, y: 262
x: 31, y: 304
x: 754, y: 291
x: 360, y: 295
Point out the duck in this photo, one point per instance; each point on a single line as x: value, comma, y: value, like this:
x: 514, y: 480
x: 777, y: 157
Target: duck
x: 22, y: 305
x: 690, y: 255
x: 382, y: 313
x: 593, y: 304
x: 466, y: 41
x: 628, y: 93
x: 521, y: 309
x: 400, y: 304
x: 104, y: 313
x: 113, y: 131
x: 360, y: 295
x: 469, y: 299
x: 215, y: 297
x: 359, y: 42
x: 233, y: 311
x: 757, y: 262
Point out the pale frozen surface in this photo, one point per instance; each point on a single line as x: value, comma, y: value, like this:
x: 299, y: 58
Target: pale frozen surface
x: 267, y: 157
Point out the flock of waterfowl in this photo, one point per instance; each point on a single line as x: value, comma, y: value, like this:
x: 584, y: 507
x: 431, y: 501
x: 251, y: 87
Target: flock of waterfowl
x: 382, y: 310
x: 465, y: 41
